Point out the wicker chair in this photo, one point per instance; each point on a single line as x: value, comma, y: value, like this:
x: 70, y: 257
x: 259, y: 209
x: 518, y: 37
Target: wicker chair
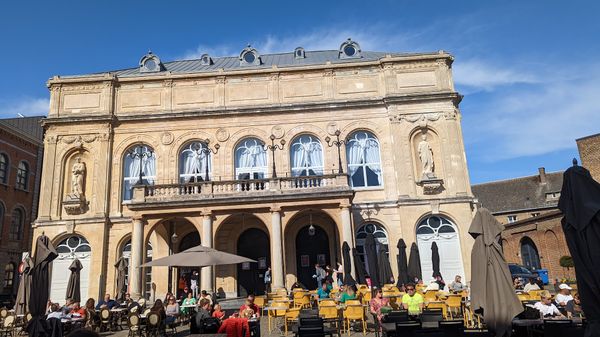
x: 133, y: 323
x: 93, y: 320
x: 8, y: 326
x: 105, y: 320
x: 153, y: 323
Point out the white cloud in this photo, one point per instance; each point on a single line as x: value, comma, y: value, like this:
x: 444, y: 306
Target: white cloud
x: 26, y: 106
x: 480, y: 75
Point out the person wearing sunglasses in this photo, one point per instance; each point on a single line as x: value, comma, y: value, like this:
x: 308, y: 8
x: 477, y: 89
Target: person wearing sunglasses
x: 412, y: 301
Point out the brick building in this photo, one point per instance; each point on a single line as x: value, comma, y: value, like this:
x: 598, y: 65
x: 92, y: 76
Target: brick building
x: 21, y: 150
x: 527, y: 206
x: 590, y: 155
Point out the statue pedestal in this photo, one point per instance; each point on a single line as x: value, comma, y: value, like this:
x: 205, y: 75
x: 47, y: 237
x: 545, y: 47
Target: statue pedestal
x: 431, y: 185
x: 74, y: 205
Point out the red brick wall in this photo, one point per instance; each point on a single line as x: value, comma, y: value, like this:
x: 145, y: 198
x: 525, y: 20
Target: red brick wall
x: 589, y: 152
x: 17, y: 149
x: 548, y: 237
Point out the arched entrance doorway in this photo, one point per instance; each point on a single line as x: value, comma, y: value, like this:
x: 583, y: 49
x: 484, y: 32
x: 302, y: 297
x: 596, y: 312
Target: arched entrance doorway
x: 312, y: 247
x: 254, y: 244
x: 147, y: 271
x: 529, y: 254
x: 185, y: 275
x: 444, y: 233
x: 68, y: 250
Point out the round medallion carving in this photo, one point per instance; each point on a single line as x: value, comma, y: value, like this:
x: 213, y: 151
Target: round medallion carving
x: 222, y: 134
x: 166, y: 138
x: 277, y: 131
x: 332, y: 127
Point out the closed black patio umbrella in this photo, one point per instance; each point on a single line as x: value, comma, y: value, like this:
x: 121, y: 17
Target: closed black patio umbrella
x: 385, y: 270
x: 580, y: 205
x: 40, y: 282
x: 23, y: 293
x: 121, y: 266
x: 359, y: 267
x: 414, y: 263
x: 402, y: 264
x: 435, y: 260
x: 371, y: 258
x: 348, y: 280
x: 73, y: 287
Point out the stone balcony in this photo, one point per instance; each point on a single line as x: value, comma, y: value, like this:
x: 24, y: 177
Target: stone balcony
x: 241, y: 191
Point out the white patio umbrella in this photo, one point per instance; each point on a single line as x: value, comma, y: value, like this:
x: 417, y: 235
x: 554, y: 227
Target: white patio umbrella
x: 198, y: 256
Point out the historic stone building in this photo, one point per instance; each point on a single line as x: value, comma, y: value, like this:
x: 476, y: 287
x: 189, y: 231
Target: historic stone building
x: 21, y: 151
x: 278, y: 157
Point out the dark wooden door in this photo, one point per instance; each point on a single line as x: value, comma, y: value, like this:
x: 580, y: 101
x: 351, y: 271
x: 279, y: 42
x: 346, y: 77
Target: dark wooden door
x: 254, y: 244
x: 308, y: 249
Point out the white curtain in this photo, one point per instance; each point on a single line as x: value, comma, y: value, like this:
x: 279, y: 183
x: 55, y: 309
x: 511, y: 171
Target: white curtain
x: 307, y: 154
x: 364, y: 151
x: 251, y: 154
x: 194, y: 162
x: 372, y: 157
x: 355, y: 156
x: 131, y: 172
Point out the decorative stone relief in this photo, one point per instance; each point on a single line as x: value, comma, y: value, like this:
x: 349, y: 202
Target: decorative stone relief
x: 222, y: 134
x: 166, y: 138
x: 432, y: 186
x: 277, y: 131
x: 331, y: 128
x: 422, y: 119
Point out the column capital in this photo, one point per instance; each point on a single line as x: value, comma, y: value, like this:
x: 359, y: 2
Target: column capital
x: 275, y: 208
x: 206, y: 213
x: 344, y: 205
x: 138, y: 218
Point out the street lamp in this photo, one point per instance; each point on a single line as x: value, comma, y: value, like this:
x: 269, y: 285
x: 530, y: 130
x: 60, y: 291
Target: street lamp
x: 207, y: 151
x: 337, y: 143
x: 140, y: 153
x: 274, y: 147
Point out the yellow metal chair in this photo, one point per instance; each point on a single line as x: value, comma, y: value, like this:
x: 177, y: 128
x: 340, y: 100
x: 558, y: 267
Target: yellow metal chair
x: 366, y: 297
x: 273, y: 314
x: 523, y: 297
x: 281, y: 292
x: 354, y: 313
x: 328, y: 311
x: 534, y: 295
x: 438, y: 305
x: 302, y: 302
x: 326, y: 302
x: 430, y: 296
x: 291, y: 316
x: 420, y: 288
x: 454, y: 303
x: 352, y: 302
x: 260, y: 301
x: 362, y: 287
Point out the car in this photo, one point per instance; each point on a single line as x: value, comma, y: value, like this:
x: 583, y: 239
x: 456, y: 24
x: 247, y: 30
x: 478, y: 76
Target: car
x: 517, y: 270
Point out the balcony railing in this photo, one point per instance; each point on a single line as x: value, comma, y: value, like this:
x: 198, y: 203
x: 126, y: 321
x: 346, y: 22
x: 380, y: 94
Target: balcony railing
x: 239, y: 188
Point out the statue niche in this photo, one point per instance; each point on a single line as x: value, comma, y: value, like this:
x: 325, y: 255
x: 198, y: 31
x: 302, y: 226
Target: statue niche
x: 75, y: 202
x: 424, y: 156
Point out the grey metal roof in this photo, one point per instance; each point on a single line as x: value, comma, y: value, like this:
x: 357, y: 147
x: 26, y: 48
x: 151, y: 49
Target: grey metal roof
x: 518, y: 193
x: 27, y: 126
x: 281, y: 60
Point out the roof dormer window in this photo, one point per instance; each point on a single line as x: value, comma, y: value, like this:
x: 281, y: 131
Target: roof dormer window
x: 150, y: 63
x: 299, y: 53
x: 349, y: 50
x: 249, y: 56
x: 206, y: 60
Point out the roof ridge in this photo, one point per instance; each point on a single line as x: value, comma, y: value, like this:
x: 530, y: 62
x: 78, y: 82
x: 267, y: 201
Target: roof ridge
x: 516, y: 178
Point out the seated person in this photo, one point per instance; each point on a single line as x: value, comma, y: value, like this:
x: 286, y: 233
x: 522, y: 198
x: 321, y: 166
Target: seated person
x: 347, y: 294
x: 324, y: 291
x: 206, y: 296
x: 188, y: 301
x: 574, y: 307
x: 106, y: 303
x: 457, y: 285
x: 66, y: 309
x: 196, y: 324
x: 412, y: 301
x: 233, y: 326
x: 433, y: 286
x: 218, y: 312
x: 532, y: 285
x: 564, y: 295
x: 55, y: 312
x: 77, y: 310
x: 377, y: 302
x: 546, y: 307
x: 250, y: 305
x: 171, y: 311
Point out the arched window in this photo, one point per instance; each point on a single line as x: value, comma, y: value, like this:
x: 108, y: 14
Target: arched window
x: 22, y: 175
x: 306, y: 154
x: 364, y: 160
x: 74, y: 244
x: 16, y: 225
x: 126, y: 254
x: 381, y: 238
x: 9, y: 275
x: 71, y: 248
x: 3, y: 168
x: 250, y: 159
x: 444, y: 233
x: 529, y: 254
x: 140, y: 157
x: 195, y: 162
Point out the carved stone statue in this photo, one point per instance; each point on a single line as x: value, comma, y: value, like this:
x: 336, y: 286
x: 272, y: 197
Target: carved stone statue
x: 78, y: 179
x: 426, y: 156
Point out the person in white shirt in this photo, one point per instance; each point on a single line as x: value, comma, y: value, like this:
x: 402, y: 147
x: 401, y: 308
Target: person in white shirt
x: 546, y: 307
x: 55, y: 312
x: 531, y: 286
x: 564, y: 295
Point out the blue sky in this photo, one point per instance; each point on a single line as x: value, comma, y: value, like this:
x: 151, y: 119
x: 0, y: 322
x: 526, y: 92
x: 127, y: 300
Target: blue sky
x: 529, y: 70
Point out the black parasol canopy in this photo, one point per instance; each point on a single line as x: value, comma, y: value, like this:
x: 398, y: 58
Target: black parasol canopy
x: 73, y: 287
x: 121, y: 266
x: 580, y: 204
x: 40, y: 282
x: 385, y: 270
x: 371, y: 258
x: 24, y: 292
x: 414, y: 263
x: 402, y: 264
x: 359, y: 266
x: 348, y: 280
x: 435, y: 260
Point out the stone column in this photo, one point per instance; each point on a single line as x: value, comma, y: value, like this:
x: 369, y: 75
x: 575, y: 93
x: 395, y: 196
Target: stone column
x: 206, y: 277
x: 347, y: 234
x: 137, y: 254
x: 276, y: 249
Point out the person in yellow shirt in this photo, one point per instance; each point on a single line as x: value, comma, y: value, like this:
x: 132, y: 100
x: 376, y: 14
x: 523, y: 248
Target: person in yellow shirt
x: 412, y: 301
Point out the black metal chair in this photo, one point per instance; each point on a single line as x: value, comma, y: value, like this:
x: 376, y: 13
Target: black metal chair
x: 557, y: 327
x: 304, y: 331
x: 430, y: 319
x: 407, y: 329
x: 455, y: 328
x: 397, y: 316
